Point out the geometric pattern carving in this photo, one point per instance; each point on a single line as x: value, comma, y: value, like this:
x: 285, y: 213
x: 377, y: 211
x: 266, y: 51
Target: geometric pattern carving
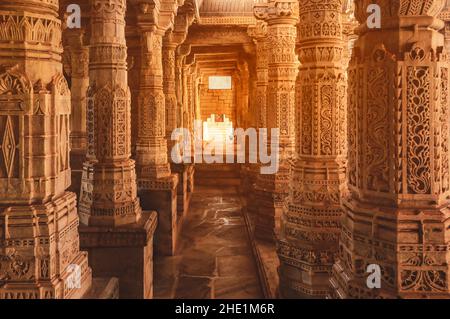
x: 8, y: 147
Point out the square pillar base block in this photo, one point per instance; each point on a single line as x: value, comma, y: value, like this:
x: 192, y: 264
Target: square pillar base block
x: 125, y: 252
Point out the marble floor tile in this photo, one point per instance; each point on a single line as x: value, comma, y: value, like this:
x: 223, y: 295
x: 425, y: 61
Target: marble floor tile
x: 214, y: 257
x: 237, y: 288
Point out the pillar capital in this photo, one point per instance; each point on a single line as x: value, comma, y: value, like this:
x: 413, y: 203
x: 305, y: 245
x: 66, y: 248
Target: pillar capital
x: 184, y: 50
x: 183, y: 20
x: 277, y: 11
x: 282, y: 62
x: 258, y: 31
x: 156, y: 13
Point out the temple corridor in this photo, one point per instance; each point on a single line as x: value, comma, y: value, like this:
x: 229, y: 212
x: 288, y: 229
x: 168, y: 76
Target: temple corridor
x: 114, y: 115
x: 214, y: 258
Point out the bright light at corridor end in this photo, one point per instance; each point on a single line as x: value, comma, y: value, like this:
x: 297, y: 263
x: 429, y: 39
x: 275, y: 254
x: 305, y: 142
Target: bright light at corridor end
x: 220, y: 82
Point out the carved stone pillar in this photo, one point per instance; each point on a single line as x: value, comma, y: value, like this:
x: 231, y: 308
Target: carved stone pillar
x: 179, y: 58
x: 157, y: 185
x: 108, y: 158
x: 310, y: 226
x: 168, y: 59
x: 172, y: 64
x: 117, y: 234
x: 259, y: 33
x: 272, y: 189
x: 242, y: 106
x: 182, y: 52
x: 190, y: 97
x: 184, y: 170
x: 133, y: 39
x: 249, y: 110
x: 396, y: 214
x: 39, y: 246
x: 189, y: 116
x: 78, y: 59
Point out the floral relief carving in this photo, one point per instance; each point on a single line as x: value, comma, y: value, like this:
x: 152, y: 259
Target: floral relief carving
x: 398, y: 120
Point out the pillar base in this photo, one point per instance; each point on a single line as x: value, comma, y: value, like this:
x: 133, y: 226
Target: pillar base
x: 408, y: 244
x: 271, y: 194
x: 104, y: 204
x: 125, y: 252
x: 161, y: 195
x: 183, y: 196
x: 304, y: 273
x: 307, y: 248
x: 37, y: 259
x: 249, y: 176
x: 249, y: 188
x: 50, y: 289
x: 268, y: 215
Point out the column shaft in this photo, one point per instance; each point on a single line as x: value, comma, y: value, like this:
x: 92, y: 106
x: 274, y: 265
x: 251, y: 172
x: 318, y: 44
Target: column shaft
x: 108, y: 194
x: 151, y: 149
x: 156, y: 183
x: 310, y: 226
x: 259, y: 34
x: 170, y: 89
x: 78, y: 59
x: 272, y: 189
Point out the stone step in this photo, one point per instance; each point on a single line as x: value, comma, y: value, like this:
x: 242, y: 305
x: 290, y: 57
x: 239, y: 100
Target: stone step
x: 217, y: 175
x: 218, y: 182
x: 218, y: 167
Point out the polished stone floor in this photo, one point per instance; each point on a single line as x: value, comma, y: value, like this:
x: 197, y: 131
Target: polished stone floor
x: 214, y: 258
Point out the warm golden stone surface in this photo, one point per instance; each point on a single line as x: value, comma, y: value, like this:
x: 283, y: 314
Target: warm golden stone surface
x: 90, y: 111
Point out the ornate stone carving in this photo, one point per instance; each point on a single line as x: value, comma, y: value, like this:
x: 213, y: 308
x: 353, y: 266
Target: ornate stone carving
x: 272, y: 190
x: 76, y: 65
x: 108, y: 194
x: 151, y: 148
x: 398, y: 159
x: 35, y: 257
x: 312, y: 220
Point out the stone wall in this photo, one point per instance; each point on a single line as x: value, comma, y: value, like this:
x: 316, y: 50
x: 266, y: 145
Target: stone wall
x: 217, y: 102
